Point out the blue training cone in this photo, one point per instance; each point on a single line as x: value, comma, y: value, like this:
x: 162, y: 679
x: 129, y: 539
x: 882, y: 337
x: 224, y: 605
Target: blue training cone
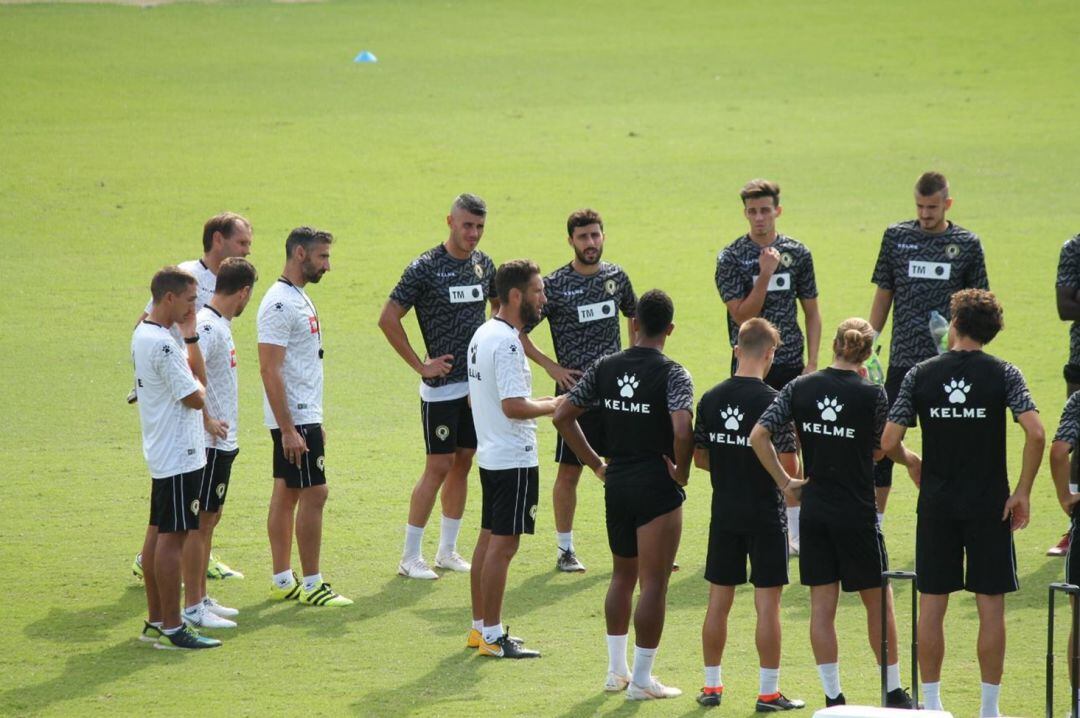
x: 366, y: 56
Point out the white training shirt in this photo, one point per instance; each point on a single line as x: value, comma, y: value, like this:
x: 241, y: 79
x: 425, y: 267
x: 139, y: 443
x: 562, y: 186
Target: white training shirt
x: 172, y: 433
x: 287, y: 318
x: 499, y: 370
x: 222, y: 387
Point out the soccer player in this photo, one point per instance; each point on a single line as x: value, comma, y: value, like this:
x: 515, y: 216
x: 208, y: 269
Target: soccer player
x: 500, y: 385
x: 585, y: 298
x: 291, y: 364
x: 448, y: 285
x: 839, y: 417
x: 1061, y: 468
x: 1068, y: 306
x: 761, y: 274
x: 172, y: 437
x: 224, y: 235
x: 235, y: 280
x: 748, y: 519
x: 646, y: 402
x: 965, y: 507
x: 921, y: 264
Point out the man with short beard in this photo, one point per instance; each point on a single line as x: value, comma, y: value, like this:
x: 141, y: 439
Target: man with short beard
x: 290, y: 361
x: 585, y: 298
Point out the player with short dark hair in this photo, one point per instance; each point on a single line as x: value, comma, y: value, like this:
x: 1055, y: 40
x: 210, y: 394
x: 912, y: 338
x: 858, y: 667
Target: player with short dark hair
x: 172, y: 438
x: 584, y: 300
x: 500, y: 387
x: 839, y: 417
x: 966, y: 513
x: 235, y: 281
x: 449, y: 285
x: 291, y: 365
x: 1068, y: 307
x: 748, y: 518
x: 646, y: 402
x: 762, y: 274
x: 921, y: 263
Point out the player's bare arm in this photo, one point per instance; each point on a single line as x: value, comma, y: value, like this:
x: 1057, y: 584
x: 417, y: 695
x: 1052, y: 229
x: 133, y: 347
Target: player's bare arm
x: 879, y: 308
x: 1068, y: 304
x: 892, y: 445
x: 565, y: 421
x: 565, y: 378
x: 194, y: 353
x: 271, y: 360
x: 682, y: 427
x: 750, y: 306
x: 391, y: 326
x: 812, y: 319
x: 631, y: 332
x: 1019, y: 504
x: 520, y: 407
x: 761, y: 441
x: 1060, y: 472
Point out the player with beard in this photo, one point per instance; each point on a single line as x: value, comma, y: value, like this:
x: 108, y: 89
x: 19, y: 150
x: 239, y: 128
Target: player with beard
x: 584, y: 299
x: 646, y: 402
x: 500, y: 386
x: 967, y: 514
x: 921, y: 264
x: 449, y: 285
x: 291, y: 364
x: 839, y: 417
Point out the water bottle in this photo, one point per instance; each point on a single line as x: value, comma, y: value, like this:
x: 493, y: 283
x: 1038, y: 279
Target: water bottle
x: 939, y: 331
x: 874, y: 371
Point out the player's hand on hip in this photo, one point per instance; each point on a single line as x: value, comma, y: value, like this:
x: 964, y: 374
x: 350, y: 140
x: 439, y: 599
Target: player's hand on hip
x: 601, y: 472
x: 216, y: 427
x: 1068, y: 502
x: 673, y: 471
x: 793, y: 485
x: 293, y: 446
x: 1018, y: 508
x: 914, y: 469
x: 565, y: 378
x: 769, y: 261
x: 437, y: 367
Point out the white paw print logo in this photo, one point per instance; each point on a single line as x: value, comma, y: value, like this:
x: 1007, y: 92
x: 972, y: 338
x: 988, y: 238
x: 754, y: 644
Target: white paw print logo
x: 731, y: 418
x: 957, y: 391
x: 627, y: 384
x: 829, y: 409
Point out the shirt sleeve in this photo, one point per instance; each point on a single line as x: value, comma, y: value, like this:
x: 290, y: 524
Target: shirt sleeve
x: 1069, y: 427
x: 730, y: 281
x: 701, y: 429
x: 784, y: 440
x: 680, y: 390
x: 1068, y: 269
x: 411, y: 286
x: 628, y: 300
x: 903, y: 409
x: 209, y: 341
x: 174, y: 370
x: 978, y: 279
x: 807, y: 283
x: 1017, y: 395
x: 882, y: 276
x: 881, y: 415
x: 583, y: 395
x: 778, y: 414
x: 274, y: 325
x: 509, y: 370
x: 489, y: 278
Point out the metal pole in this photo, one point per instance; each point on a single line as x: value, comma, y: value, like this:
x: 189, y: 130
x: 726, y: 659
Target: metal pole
x: 1073, y: 592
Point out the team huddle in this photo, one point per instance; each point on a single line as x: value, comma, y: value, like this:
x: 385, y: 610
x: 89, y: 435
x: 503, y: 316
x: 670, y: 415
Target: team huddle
x: 800, y: 459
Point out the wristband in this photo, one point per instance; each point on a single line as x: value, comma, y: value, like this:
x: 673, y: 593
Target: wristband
x: 191, y: 340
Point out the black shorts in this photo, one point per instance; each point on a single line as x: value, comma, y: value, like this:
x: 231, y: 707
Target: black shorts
x: 942, y: 544
x: 630, y: 503
x: 215, y: 479
x: 311, y: 471
x: 508, y: 507
x: 174, y: 502
x: 448, y: 425
x: 854, y: 555
x: 592, y: 425
x: 893, y: 378
x: 767, y: 550
x: 1072, y: 568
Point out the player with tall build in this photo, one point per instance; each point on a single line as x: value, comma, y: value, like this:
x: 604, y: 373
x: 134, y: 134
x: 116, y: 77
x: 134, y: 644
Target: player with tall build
x: 584, y: 299
x: 449, y: 286
x: 1068, y: 306
x: 921, y: 264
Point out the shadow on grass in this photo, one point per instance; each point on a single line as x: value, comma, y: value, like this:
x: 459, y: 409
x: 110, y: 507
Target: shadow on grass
x: 453, y: 679
x: 592, y: 705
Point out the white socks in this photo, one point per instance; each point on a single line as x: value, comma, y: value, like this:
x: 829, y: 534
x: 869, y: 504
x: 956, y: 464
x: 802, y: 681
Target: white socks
x: 892, y: 676
x: 283, y: 579
x: 414, y: 537
x: 768, y: 681
x: 566, y: 540
x: 493, y: 633
x: 643, y: 660
x: 616, y: 655
x: 880, y: 519
x: 311, y: 582
x: 830, y: 678
x: 989, y: 700
x: 712, y: 677
x: 448, y: 533
x: 931, y: 695
x: 478, y: 624
x: 793, y: 523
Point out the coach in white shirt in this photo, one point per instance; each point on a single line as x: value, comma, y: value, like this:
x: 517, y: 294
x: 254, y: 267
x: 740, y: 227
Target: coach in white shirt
x: 290, y: 361
x: 172, y: 438
x: 500, y: 385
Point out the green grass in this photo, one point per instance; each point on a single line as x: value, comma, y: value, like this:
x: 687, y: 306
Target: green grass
x: 122, y: 129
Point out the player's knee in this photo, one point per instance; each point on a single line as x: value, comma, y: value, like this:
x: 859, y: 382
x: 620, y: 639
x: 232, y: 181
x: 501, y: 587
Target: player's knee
x: 437, y: 467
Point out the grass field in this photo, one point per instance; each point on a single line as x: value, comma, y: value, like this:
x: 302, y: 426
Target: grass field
x: 122, y: 129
